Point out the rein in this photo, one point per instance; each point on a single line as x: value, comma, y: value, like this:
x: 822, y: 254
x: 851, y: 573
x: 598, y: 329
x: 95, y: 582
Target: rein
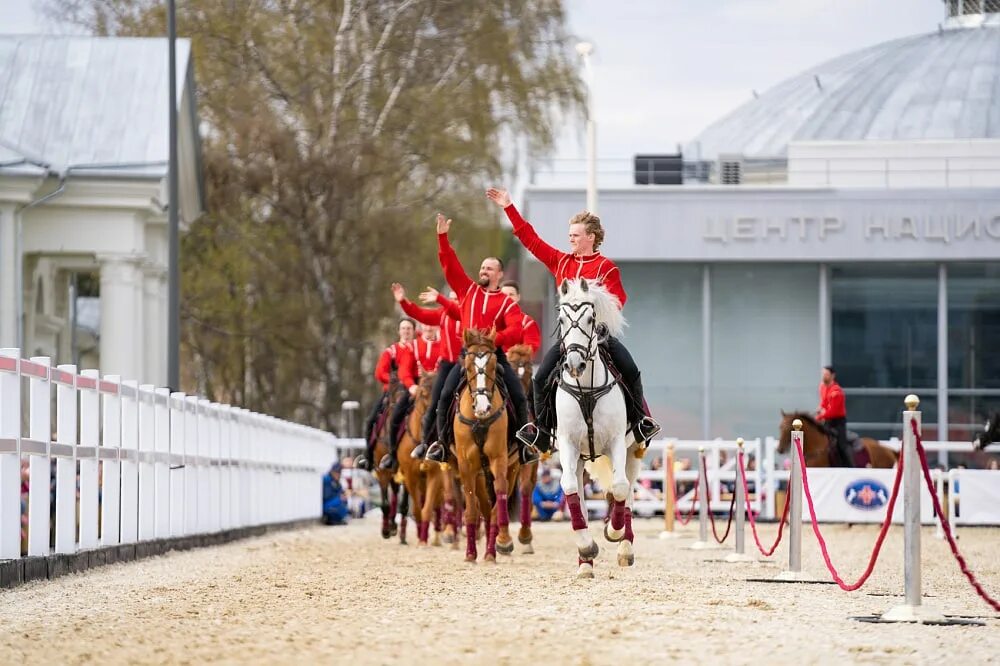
x: 586, y: 396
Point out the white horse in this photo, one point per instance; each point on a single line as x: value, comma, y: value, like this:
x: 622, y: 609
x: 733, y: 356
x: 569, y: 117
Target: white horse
x: 591, y: 418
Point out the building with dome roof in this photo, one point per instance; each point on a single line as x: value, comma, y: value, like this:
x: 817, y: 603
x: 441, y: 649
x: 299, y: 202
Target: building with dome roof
x: 849, y: 215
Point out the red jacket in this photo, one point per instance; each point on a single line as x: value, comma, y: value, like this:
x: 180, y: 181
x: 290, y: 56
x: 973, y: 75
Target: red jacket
x: 568, y: 266
x: 831, y: 402
x: 480, y: 309
x: 447, y: 317
x: 530, y: 334
x: 398, y: 357
x: 427, y: 354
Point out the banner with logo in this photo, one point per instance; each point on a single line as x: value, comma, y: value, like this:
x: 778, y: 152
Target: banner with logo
x: 978, y: 493
x: 859, y: 496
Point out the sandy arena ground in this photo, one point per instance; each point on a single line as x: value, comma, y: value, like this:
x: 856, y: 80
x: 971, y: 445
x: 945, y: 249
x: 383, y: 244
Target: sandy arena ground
x: 343, y: 596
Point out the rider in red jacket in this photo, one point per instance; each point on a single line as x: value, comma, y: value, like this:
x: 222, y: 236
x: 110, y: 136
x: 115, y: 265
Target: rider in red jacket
x: 832, y: 412
x: 482, y: 306
x: 531, y: 335
x: 397, y: 363
x: 585, y: 236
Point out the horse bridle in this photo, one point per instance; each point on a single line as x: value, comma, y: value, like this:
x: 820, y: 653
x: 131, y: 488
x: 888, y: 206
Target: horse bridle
x: 598, y: 333
x: 481, y: 371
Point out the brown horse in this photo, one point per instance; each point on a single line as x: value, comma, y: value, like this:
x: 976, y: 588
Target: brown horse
x: 519, y: 357
x: 413, y: 479
x: 816, y: 444
x: 386, y: 481
x: 485, y: 464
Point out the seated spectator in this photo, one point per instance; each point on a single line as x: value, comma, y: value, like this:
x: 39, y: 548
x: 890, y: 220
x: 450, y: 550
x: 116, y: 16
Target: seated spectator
x: 356, y: 485
x: 548, y: 496
x: 334, y: 499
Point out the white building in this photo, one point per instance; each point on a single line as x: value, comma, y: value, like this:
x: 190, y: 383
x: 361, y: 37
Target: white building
x: 83, y: 165
x: 850, y: 215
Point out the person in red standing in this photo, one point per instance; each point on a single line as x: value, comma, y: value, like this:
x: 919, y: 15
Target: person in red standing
x: 448, y: 318
x: 395, y: 364
x: 426, y: 356
x: 832, y: 413
x: 483, y: 307
x: 531, y: 334
x: 585, y: 237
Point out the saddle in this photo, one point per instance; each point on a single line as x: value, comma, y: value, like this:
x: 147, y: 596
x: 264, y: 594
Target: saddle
x: 859, y: 453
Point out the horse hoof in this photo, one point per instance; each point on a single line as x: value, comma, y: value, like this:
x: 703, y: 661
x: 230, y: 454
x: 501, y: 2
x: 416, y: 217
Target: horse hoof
x: 528, y: 550
x: 589, y: 552
x: 393, y: 531
x: 607, y: 534
x: 505, y: 548
x: 448, y: 538
x: 470, y: 558
x: 386, y: 533
x: 524, y: 536
x: 402, y: 542
x: 436, y: 541
x: 585, y: 570
x: 626, y: 560
x: 490, y: 557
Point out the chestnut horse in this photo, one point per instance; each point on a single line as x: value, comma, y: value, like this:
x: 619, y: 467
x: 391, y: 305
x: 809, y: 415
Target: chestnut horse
x: 816, y: 444
x: 519, y: 357
x: 486, y: 465
x: 413, y: 479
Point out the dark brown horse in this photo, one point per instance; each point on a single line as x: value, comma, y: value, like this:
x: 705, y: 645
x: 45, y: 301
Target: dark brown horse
x: 386, y: 481
x: 816, y: 444
x: 519, y: 357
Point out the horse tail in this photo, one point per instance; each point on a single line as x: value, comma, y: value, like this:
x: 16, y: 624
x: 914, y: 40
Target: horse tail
x: 601, y: 471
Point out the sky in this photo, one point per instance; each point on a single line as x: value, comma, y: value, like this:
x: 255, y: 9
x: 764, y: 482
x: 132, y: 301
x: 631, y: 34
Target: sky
x: 663, y: 70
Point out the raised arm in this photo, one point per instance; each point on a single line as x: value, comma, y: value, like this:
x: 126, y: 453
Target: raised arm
x: 429, y: 316
x: 526, y: 233
x: 456, y: 276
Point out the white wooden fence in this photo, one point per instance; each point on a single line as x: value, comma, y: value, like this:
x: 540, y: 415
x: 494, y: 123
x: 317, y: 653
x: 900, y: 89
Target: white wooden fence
x: 152, y: 464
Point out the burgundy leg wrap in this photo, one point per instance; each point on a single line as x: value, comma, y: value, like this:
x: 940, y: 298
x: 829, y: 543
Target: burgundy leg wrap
x: 402, y: 528
x: 437, y: 520
x: 576, y: 516
x: 503, y: 515
x: 392, y: 507
x: 491, y: 540
x: 580, y: 560
x: 525, y: 510
x: 618, y: 514
x: 425, y: 530
x: 470, y: 540
x: 629, y: 535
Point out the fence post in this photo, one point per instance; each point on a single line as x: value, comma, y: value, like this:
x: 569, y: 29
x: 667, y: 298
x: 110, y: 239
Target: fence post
x: 912, y: 609
x: 88, y: 451
x: 65, y: 450
x: 669, y: 493
x: 39, y: 467
x: 794, y: 571
x: 130, y: 461
x: 739, y: 509
x: 192, y: 468
x: 111, y: 414
x: 704, y: 505
x: 161, y: 462
x: 146, y: 446
x: 10, y: 454
x: 179, y: 473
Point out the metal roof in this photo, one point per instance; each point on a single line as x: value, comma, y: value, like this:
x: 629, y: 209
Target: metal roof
x: 93, y: 102
x: 943, y: 85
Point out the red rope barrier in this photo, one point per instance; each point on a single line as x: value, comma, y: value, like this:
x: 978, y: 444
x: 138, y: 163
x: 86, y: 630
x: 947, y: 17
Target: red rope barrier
x: 677, y: 513
x: 945, y: 526
x: 753, y: 523
x: 881, y: 535
x: 711, y: 516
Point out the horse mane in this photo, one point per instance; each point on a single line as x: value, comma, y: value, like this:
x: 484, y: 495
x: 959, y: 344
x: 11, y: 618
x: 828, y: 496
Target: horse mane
x: 806, y: 418
x: 607, y: 307
x: 474, y: 336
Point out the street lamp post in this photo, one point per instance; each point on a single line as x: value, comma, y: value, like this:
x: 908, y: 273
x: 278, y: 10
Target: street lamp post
x: 174, y: 279
x: 585, y: 49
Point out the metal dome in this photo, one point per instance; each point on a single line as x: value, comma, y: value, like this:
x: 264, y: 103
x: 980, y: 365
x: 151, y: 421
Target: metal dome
x: 943, y: 85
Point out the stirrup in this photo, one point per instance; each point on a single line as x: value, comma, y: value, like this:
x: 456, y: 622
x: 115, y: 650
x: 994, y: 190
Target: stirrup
x: 534, y: 436
x: 419, y: 451
x: 361, y: 462
x: 529, y: 454
x: 646, y: 429
x: 387, y: 463
x: 435, y: 452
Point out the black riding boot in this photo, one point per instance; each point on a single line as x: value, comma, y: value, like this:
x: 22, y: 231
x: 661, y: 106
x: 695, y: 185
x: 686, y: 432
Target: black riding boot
x: 645, y: 428
x: 399, y: 412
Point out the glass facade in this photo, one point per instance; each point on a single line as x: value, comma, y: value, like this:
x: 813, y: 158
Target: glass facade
x: 664, y: 336
x: 765, y: 346
x: 973, y: 349
x: 884, y: 341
